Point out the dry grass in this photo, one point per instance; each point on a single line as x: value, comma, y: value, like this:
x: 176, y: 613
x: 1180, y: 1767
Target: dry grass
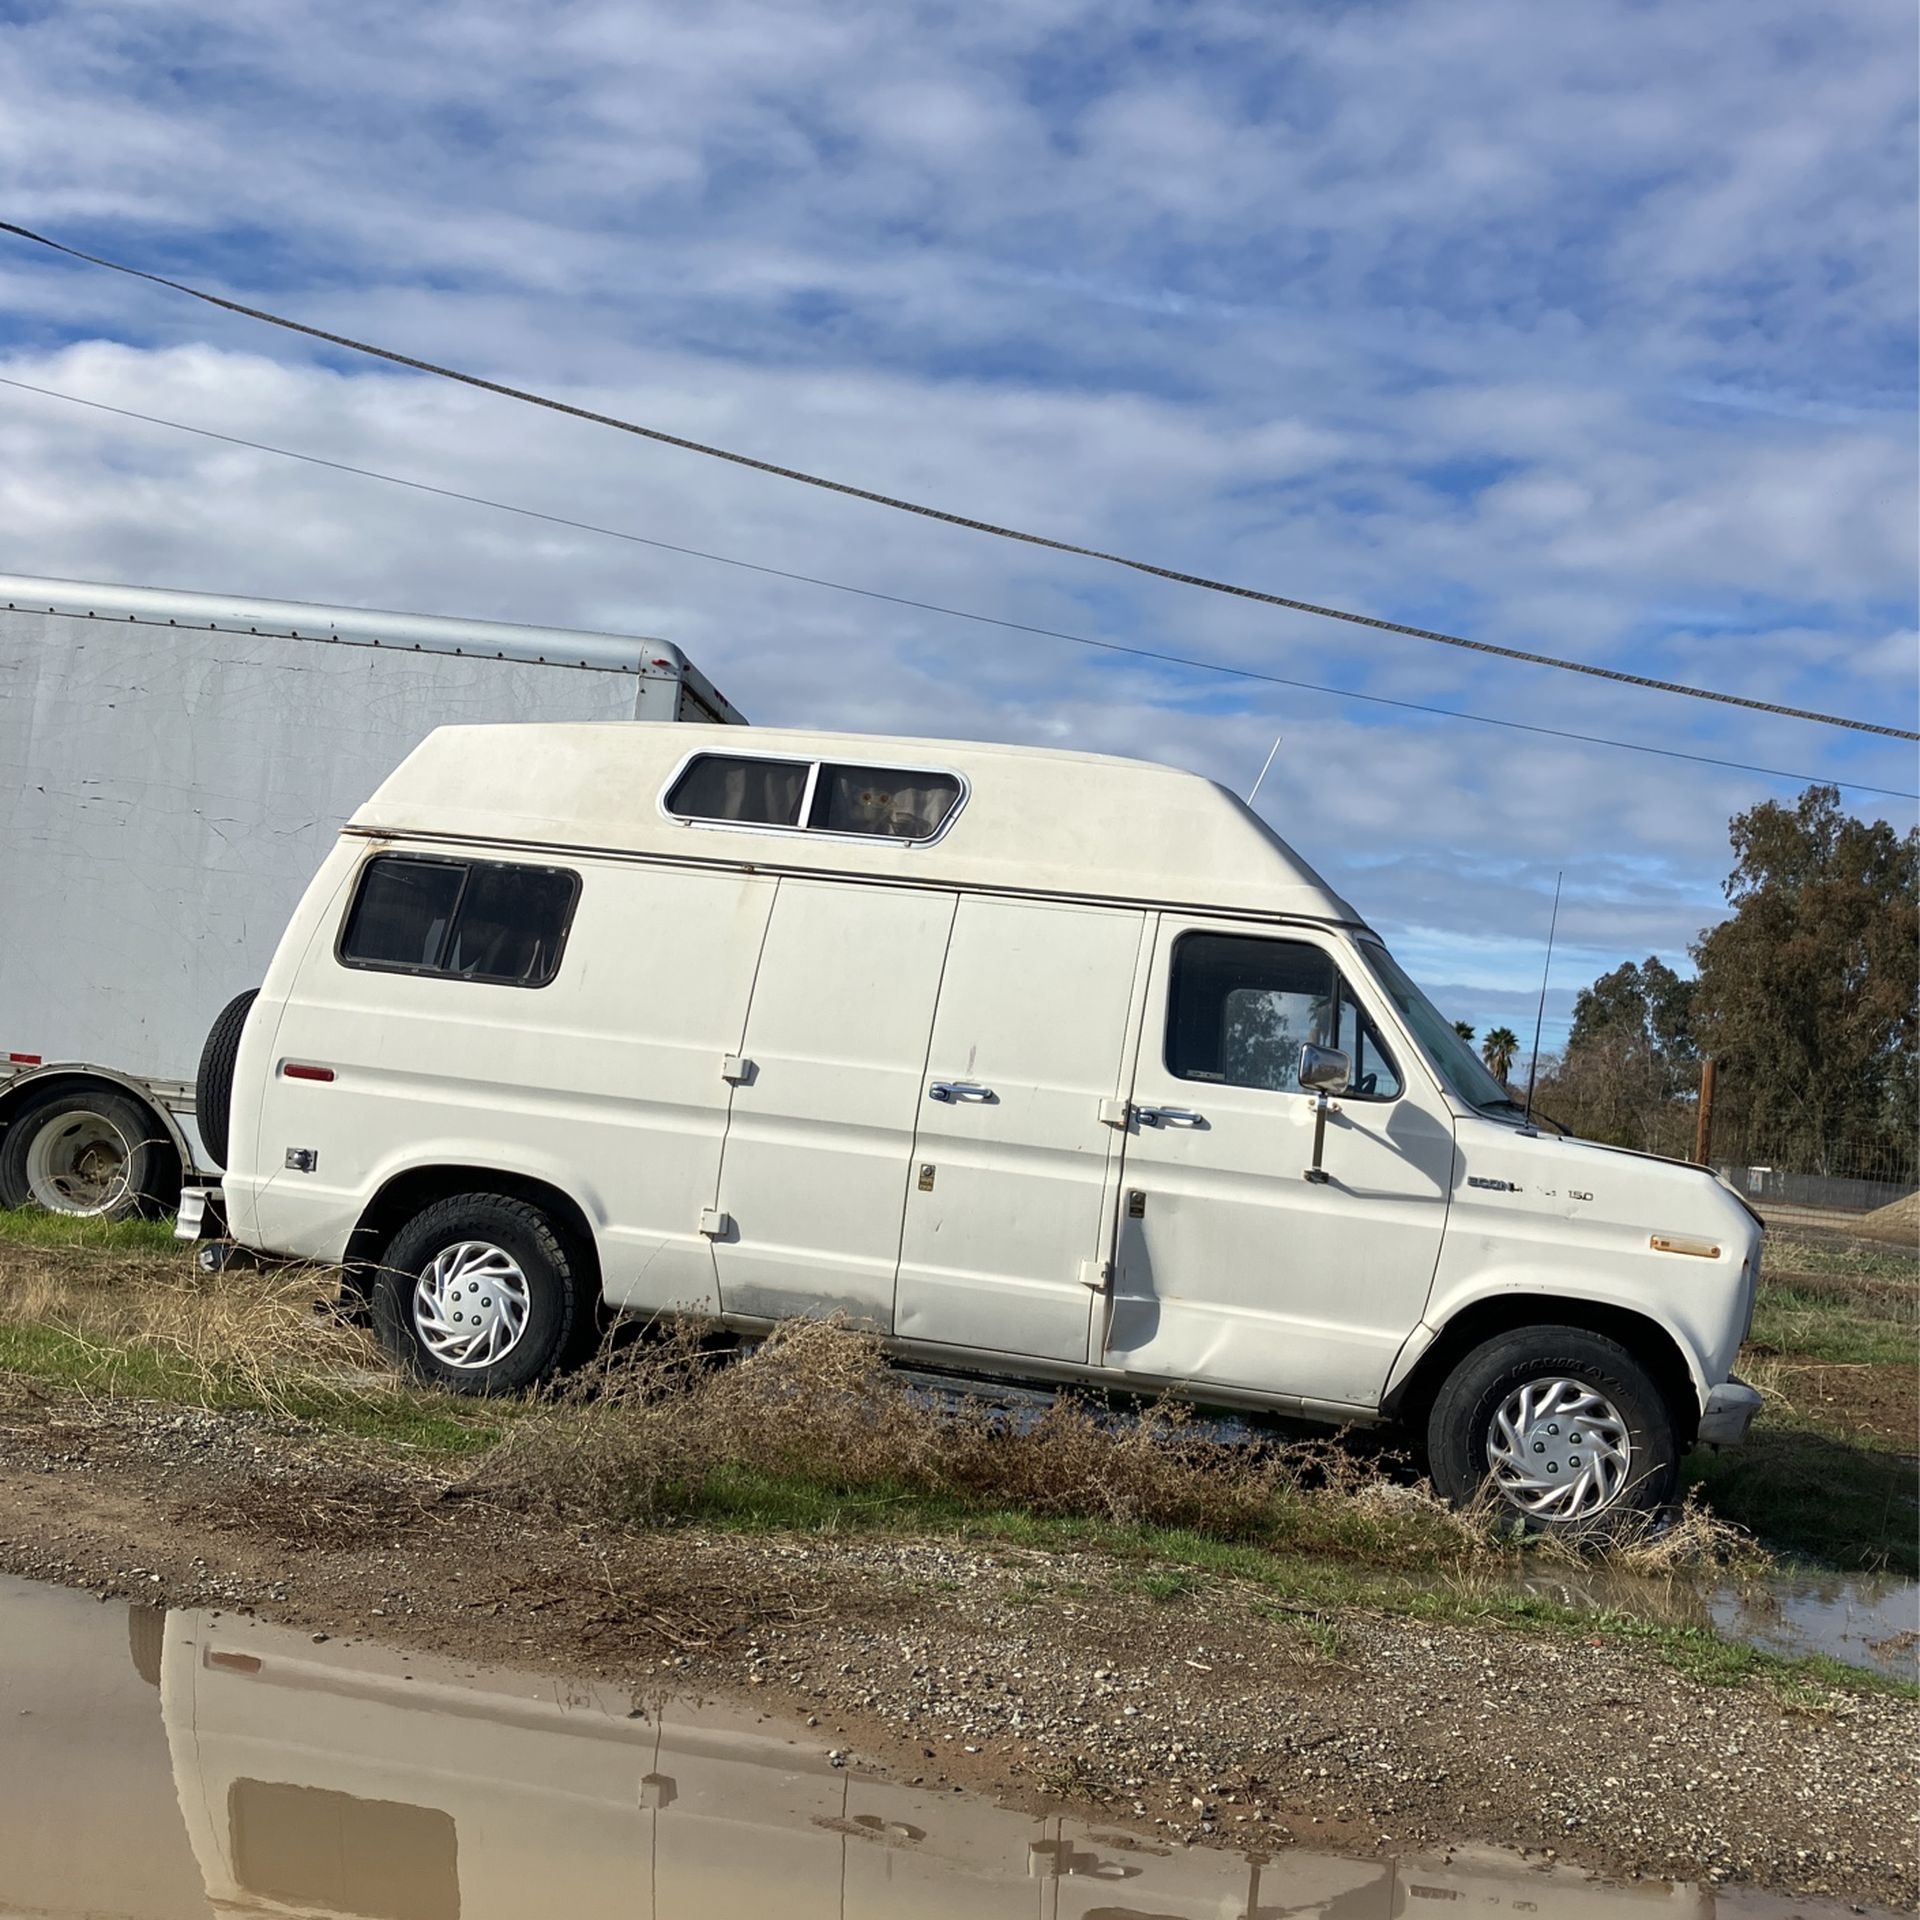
x: 813, y: 1425
x: 108, y: 1322
x: 256, y: 1337
x: 812, y: 1429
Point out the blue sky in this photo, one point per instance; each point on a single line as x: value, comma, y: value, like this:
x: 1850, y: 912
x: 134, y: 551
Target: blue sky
x: 1589, y: 330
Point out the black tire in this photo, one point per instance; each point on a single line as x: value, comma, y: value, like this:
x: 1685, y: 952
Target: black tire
x: 551, y: 1271
x: 1461, y: 1421
x: 152, y: 1167
x: 213, y: 1086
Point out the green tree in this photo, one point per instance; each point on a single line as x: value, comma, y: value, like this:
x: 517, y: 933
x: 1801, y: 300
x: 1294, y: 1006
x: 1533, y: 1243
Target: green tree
x: 1463, y: 1030
x: 1498, y: 1050
x: 1644, y: 1004
x: 1807, y: 994
x: 1630, y: 1068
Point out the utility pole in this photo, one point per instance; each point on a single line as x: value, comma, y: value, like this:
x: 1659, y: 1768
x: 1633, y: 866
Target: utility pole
x: 1703, y: 1121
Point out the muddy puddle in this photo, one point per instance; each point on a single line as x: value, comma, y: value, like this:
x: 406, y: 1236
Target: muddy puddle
x: 1866, y: 1620
x: 1870, y: 1621
x: 158, y: 1766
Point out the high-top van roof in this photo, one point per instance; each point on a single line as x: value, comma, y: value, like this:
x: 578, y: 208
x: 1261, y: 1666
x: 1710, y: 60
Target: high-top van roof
x: 1028, y: 820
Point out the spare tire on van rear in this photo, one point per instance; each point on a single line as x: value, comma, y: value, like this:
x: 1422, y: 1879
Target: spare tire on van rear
x: 213, y: 1086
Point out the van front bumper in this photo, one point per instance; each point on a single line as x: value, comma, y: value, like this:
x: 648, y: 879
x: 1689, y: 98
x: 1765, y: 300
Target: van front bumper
x: 1728, y: 1414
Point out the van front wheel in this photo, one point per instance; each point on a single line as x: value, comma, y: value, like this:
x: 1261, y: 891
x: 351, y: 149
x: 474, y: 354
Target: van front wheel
x: 1564, y: 1427
x: 478, y: 1293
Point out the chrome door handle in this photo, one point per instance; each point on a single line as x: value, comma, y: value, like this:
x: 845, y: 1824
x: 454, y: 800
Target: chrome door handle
x: 1169, y: 1117
x: 959, y: 1090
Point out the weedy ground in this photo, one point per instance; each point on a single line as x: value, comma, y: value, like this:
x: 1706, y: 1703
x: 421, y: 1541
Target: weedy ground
x: 812, y: 1433
x: 1830, y: 1470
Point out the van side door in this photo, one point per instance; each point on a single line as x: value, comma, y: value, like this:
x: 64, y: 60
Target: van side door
x: 1232, y: 1267
x: 813, y: 1174
x: 1017, y: 1152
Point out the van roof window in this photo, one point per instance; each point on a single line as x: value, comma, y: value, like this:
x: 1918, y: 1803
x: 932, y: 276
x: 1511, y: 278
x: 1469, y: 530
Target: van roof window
x: 888, y: 803
x: 746, y: 790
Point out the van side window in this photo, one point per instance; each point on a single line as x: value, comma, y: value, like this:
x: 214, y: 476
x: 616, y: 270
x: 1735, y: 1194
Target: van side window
x: 470, y: 919
x: 890, y: 803
x: 402, y: 912
x: 718, y: 786
x: 1375, y: 1077
x: 1241, y: 1009
x: 511, y: 923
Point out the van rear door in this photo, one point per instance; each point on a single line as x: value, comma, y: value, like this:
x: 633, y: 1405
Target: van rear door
x: 1017, y: 1152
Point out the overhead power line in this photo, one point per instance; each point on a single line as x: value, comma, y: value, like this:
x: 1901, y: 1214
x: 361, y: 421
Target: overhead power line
x: 941, y: 514
x: 951, y: 613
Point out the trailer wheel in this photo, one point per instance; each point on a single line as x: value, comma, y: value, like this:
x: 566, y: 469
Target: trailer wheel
x: 480, y: 1293
x: 88, y: 1153
x: 213, y: 1088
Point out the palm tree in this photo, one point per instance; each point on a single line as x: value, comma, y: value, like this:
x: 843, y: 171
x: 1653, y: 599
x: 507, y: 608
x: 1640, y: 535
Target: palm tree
x: 1498, y: 1049
x: 1463, y: 1030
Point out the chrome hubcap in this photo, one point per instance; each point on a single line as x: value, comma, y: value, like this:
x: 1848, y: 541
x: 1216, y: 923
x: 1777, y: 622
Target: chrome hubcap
x: 78, y: 1164
x: 470, y: 1305
x: 1558, y: 1450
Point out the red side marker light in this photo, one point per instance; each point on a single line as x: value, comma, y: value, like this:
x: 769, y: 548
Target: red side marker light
x: 23, y: 1059
x: 295, y: 1071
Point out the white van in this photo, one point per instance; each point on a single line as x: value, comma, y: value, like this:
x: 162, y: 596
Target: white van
x: 1045, y: 1065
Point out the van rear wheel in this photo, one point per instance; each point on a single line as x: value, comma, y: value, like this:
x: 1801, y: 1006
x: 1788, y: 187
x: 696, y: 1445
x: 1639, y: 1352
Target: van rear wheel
x: 479, y: 1293
x: 1564, y: 1428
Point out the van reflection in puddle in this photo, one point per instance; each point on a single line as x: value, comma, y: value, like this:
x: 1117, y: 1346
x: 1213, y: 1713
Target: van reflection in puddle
x: 353, y: 1782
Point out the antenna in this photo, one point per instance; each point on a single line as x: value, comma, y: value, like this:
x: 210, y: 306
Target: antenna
x: 1271, y: 753
x: 1540, y: 1012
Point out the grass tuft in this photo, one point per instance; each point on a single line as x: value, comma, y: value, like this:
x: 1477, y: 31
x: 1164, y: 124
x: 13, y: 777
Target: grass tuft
x: 89, y: 1315
x: 55, y: 1232
x: 813, y: 1431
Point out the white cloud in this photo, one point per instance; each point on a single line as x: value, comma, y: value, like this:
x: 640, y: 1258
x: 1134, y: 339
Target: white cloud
x: 1410, y: 309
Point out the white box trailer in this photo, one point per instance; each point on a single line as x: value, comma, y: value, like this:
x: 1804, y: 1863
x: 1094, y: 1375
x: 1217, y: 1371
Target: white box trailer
x: 173, y: 766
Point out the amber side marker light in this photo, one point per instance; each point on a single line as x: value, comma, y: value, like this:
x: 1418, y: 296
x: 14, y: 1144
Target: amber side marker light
x: 1680, y: 1243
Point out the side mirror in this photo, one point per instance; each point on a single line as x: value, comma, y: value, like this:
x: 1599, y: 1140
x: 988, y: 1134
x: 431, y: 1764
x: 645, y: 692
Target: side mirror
x: 1325, y: 1069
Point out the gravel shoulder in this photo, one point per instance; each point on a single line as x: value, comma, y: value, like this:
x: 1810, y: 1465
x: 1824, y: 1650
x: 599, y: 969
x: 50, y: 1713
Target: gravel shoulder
x: 1203, y: 1708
